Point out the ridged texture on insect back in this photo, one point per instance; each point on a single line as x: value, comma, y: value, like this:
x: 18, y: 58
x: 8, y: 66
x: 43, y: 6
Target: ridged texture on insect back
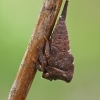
x: 57, y: 61
x: 60, y: 34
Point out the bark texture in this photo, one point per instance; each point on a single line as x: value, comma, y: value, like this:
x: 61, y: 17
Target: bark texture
x: 27, y: 70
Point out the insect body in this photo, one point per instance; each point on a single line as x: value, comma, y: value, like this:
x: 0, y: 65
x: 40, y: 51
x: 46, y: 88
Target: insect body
x: 57, y: 61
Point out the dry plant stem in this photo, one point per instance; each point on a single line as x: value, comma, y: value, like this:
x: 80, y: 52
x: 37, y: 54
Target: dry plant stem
x: 27, y: 68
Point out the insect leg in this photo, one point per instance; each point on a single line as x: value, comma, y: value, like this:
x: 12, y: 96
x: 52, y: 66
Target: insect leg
x: 37, y: 65
x: 42, y: 59
x: 47, y: 48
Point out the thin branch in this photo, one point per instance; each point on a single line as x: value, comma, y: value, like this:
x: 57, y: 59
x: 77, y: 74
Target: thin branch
x: 27, y: 68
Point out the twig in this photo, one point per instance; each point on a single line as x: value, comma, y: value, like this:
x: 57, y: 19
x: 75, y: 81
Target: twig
x: 27, y: 68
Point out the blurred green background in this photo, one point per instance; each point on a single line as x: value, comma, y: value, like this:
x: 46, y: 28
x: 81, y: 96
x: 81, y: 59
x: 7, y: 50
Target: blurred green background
x: 17, y: 21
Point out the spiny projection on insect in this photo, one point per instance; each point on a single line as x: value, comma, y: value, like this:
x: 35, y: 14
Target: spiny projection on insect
x: 56, y: 61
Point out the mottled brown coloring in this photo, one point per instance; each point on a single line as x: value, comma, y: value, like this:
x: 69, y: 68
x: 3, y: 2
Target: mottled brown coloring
x: 56, y: 59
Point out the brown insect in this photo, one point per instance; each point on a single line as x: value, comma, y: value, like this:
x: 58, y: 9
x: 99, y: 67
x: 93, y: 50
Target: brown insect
x: 56, y: 61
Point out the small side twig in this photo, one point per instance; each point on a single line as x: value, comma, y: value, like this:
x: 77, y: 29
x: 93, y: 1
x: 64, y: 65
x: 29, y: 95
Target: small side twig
x: 27, y: 68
